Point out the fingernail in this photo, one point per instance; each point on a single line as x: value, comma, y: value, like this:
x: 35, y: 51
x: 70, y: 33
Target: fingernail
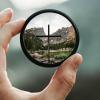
x: 7, y: 11
x: 78, y: 59
x: 74, y: 61
x: 22, y: 19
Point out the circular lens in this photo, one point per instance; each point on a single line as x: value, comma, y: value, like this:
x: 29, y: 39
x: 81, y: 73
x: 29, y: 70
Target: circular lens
x: 49, y: 37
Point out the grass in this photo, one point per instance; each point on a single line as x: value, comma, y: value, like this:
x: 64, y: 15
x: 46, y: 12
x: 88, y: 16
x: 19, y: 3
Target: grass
x: 62, y: 55
x: 56, y: 55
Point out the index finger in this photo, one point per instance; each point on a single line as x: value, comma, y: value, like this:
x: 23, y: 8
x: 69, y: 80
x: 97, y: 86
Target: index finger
x: 10, y: 30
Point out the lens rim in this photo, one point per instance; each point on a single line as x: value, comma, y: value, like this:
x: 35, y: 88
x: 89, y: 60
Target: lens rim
x: 36, y: 14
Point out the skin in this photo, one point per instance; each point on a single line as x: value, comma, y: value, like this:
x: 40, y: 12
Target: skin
x: 62, y: 81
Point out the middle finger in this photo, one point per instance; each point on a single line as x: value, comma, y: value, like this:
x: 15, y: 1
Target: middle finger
x: 5, y: 16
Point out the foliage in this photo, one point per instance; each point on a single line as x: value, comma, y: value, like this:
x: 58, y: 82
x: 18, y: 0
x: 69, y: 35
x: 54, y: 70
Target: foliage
x: 32, y: 42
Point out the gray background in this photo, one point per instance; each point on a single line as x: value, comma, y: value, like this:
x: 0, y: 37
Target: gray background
x: 28, y: 76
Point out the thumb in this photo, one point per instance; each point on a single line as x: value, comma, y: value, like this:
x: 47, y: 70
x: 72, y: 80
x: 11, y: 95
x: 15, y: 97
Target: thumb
x: 63, y: 79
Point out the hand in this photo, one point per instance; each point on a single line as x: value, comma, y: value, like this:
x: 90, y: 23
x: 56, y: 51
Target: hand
x: 61, y: 82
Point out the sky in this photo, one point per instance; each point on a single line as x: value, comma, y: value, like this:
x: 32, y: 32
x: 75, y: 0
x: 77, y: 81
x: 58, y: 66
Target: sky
x: 55, y: 21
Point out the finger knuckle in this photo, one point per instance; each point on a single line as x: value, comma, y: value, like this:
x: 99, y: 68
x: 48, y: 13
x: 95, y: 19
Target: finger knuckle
x: 68, y: 80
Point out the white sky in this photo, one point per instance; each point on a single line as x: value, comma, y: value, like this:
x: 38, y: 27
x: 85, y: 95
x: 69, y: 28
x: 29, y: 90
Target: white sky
x: 55, y: 21
x: 28, y: 4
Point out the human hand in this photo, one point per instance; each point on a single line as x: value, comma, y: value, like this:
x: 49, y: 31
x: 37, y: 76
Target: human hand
x: 61, y: 82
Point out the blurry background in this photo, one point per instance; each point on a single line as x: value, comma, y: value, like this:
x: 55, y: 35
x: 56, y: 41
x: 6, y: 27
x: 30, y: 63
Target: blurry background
x: 28, y: 76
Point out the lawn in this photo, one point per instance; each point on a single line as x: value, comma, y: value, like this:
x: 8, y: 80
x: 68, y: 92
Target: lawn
x: 56, y: 55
